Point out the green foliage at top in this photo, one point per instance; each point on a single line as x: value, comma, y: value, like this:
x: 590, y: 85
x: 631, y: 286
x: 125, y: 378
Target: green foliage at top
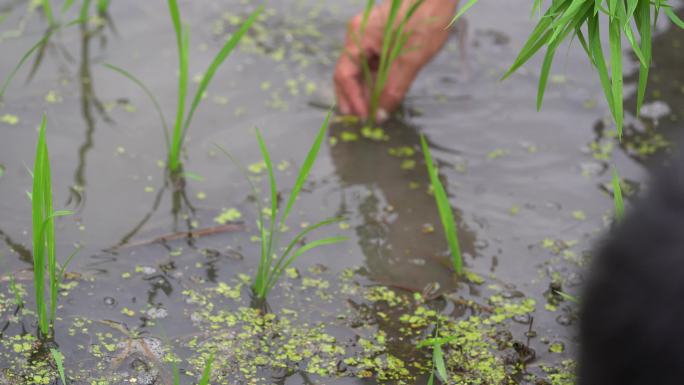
x: 444, y: 207
x: 44, y: 237
x: 395, y: 37
x: 580, y: 19
x: 273, y: 261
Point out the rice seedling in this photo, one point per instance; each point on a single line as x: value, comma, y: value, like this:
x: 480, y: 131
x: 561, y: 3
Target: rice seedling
x: 175, y: 137
x: 395, y: 37
x: 617, y: 197
x: 438, y: 364
x: 274, y: 261
x: 444, y: 207
x: 572, y: 18
x: 44, y: 256
x: 59, y: 361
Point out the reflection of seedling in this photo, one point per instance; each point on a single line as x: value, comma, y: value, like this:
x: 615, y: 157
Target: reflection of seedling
x: 41, y: 45
x: 444, y: 207
x: 174, y: 140
x: 394, y: 40
x: 273, y: 262
x: 44, y: 237
x: 567, y: 18
x: 617, y: 197
x: 438, y: 364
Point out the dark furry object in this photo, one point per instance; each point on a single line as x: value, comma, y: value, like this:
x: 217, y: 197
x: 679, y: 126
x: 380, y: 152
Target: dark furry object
x: 632, y: 325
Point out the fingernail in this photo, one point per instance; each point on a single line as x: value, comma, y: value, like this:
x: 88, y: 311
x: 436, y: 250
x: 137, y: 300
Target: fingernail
x: 381, y: 115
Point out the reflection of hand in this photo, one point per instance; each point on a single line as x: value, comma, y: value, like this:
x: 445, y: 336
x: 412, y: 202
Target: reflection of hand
x: 428, y: 33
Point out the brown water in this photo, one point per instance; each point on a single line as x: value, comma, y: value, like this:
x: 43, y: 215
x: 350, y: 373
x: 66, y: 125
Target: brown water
x: 527, y: 187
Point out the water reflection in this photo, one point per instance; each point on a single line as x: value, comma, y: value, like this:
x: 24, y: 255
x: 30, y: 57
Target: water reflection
x: 182, y: 210
x: 400, y: 231
x: 24, y: 253
x: 89, y: 100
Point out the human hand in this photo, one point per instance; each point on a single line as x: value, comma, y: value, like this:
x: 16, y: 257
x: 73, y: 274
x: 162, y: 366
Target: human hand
x: 427, y: 31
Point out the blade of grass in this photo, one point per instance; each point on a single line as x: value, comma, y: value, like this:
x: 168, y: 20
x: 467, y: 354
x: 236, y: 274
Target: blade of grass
x: 182, y: 42
x: 274, y: 199
x: 228, y: 47
x: 463, y: 10
x: 39, y: 213
x: 273, y: 277
x: 615, y: 40
x: 444, y: 208
x: 643, y: 14
x: 175, y: 373
x: 673, y: 17
x: 67, y: 5
x: 306, y: 167
x: 47, y: 10
x: 309, y: 246
x: 149, y: 94
x: 59, y: 361
x: 102, y: 6
x: 600, y: 61
x: 206, y: 375
x: 260, y: 279
x: 438, y: 358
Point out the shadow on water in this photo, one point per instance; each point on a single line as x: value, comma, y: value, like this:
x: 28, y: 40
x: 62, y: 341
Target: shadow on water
x: 90, y: 103
x: 400, y: 231
x: 181, y: 210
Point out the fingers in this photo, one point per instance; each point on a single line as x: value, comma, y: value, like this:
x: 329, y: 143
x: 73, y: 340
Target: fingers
x: 347, y: 78
x: 348, y: 88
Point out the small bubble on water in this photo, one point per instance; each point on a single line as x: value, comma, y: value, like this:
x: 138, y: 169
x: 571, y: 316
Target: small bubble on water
x: 109, y: 301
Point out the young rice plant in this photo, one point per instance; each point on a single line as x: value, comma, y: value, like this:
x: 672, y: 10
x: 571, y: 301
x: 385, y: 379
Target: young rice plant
x: 395, y: 37
x: 274, y: 261
x: 44, y: 257
x: 174, y: 139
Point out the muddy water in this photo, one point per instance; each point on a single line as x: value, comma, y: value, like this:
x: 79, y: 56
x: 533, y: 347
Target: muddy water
x: 528, y: 188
